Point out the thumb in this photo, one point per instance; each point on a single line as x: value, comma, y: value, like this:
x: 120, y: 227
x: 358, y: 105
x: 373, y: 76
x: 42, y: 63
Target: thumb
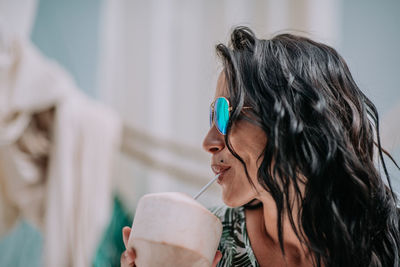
x: 217, y: 258
x: 125, y: 234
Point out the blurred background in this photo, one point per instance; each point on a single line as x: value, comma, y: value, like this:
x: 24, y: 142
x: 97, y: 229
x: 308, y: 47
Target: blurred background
x: 106, y: 100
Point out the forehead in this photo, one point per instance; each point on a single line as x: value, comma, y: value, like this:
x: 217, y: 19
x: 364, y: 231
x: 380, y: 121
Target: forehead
x: 222, y: 86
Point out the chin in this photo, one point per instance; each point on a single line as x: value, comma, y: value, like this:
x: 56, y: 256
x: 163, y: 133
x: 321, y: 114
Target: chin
x: 233, y: 202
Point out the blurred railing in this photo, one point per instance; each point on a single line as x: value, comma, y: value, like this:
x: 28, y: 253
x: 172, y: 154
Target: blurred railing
x: 180, y: 161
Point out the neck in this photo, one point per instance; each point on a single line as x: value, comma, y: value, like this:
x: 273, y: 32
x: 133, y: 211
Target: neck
x: 267, y: 221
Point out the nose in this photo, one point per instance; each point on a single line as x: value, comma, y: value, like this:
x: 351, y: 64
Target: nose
x: 214, y: 141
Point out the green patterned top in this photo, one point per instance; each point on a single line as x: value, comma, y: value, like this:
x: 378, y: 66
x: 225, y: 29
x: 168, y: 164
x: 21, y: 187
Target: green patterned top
x: 234, y: 244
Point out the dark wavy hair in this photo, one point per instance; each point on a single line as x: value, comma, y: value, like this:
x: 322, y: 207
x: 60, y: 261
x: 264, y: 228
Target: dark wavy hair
x: 322, y: 136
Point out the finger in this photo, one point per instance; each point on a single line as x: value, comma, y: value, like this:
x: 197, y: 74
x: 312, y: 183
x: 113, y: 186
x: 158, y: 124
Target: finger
x: 128, y: 258
x: 217, y: 258
x: 126, y: 231
x: 131, y: 254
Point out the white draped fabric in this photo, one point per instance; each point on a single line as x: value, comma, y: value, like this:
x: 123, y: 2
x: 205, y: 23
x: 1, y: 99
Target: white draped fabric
x: 69, y: 200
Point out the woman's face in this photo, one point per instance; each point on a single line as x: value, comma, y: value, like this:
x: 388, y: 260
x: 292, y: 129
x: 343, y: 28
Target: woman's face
x: 248, y: 141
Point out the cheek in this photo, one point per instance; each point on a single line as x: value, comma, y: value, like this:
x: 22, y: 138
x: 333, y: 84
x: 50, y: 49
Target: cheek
x: 249, y: 145
x: 248, y: 141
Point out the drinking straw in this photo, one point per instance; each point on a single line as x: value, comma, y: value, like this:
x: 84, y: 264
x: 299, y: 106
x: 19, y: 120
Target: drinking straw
x: 206, y: 186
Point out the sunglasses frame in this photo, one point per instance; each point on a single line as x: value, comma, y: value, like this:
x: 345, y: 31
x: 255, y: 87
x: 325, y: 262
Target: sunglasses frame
x: 212, y: 107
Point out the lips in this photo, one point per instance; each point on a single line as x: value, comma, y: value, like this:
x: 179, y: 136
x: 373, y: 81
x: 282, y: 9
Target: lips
x: 220, y: 169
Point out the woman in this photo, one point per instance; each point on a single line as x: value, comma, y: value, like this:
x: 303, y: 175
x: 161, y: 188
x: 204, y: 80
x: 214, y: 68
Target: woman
x: 294, y: 140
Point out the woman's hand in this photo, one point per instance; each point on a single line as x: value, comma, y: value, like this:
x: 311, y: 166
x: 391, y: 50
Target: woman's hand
x: 217, y: 258
x: 129, y: 255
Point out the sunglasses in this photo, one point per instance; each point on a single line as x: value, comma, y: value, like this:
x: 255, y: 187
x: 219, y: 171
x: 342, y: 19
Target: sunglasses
x: 219, y: 114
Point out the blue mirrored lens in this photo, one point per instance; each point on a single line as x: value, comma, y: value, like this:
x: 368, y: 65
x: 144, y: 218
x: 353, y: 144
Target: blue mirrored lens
x: 211, y: 116
x: 221, y: 114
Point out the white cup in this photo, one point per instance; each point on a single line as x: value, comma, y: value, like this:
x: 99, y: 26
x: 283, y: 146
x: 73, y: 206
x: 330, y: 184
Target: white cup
x: 173, y: 229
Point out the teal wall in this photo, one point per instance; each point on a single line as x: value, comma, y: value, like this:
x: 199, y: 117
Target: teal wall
x: 371, y: 46
x: 22, y: 246
x: 68, y: 31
